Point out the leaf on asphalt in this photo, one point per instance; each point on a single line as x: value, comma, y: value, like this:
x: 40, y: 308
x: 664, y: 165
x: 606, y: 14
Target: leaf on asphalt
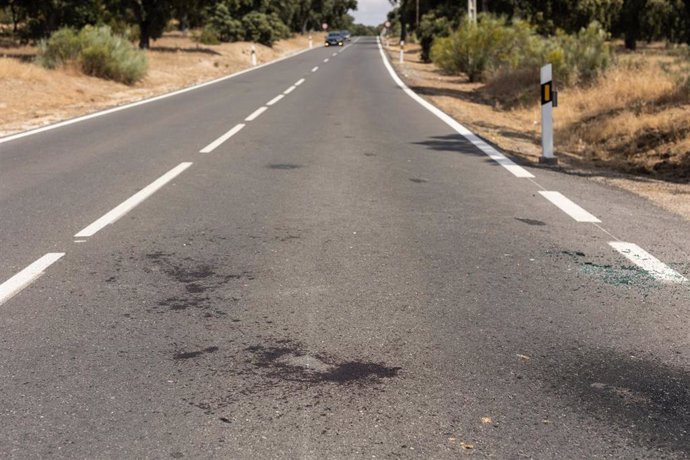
x: 523, y: 357
x: 467, y: 446
x: 486, y: 420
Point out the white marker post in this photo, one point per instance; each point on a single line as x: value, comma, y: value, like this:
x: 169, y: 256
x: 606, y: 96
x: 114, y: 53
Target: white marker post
x: 547, y: 100
x: 253, y: 56
x: 402, y: 50
x: 311, y: 43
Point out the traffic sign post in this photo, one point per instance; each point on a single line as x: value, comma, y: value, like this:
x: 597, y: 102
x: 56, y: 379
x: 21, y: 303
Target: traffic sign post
x: 548, y: 97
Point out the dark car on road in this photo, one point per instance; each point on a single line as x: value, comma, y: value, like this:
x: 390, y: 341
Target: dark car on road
x: 334, y: 39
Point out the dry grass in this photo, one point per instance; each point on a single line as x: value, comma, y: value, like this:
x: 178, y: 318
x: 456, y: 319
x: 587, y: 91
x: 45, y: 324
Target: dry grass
x: 31, y: 96
x: 634, y: 120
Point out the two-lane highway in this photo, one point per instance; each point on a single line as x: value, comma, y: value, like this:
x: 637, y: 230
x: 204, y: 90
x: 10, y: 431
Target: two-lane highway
x: 334, y: 273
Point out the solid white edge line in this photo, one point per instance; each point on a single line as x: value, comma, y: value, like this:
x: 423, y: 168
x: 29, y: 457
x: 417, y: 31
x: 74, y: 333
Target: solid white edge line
x: 132, y: 202
x: 315, y: 68
x: 569, y: 207
x: 145, y: 101
x: 274, y: 100
x: 290, y: 89
x: 213, y: 145
x: 299, y: 82
x: 14, y: 285
x: 255, y: 114
x: 647, y: 262
x: 501, y: 159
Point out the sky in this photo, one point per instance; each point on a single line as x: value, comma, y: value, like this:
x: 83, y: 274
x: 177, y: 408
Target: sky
x: 371, y: 12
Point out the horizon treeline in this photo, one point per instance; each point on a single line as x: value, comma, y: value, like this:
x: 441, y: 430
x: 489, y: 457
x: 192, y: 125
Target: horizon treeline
x: 630, y: 20
x: 263, y: 21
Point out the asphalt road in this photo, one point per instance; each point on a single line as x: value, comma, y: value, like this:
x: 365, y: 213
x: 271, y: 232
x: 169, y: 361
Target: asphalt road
x: 346, y: 276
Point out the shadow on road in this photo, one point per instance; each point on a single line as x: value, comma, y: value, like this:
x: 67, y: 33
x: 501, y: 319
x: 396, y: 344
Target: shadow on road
x: 645, y: 398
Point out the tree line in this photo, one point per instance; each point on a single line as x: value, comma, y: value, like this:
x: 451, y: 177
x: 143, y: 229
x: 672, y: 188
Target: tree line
x: 632, y: 20
x: 229, y: 20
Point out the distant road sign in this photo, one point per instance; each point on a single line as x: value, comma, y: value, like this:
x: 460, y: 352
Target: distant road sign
x: 324, y: 26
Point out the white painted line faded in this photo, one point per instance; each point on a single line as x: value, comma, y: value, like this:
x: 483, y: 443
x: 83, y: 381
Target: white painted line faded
x: 299, y: 82
x: 145, y: 101
x: 325, y: 60
x: 315, y: 69
x: 274, y: 100
x: 648, y: 262
x: 132, y: 202
x: 568, y: 207
x: 498, y: 157
x: 213, y: 145
x: 14, y: 285
x: 335, y: 54
x: 289, y: 90
x: 256, y: 114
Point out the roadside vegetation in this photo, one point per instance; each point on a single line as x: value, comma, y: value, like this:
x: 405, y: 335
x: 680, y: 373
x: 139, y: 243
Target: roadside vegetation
x: 95, y: 51
x: 622, y: 68
x: 100, y: 38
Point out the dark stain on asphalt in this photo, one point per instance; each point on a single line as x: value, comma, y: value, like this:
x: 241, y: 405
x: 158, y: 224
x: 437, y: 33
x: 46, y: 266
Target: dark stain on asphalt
x: 535, y: 222
x: 369, y: 154
x: 194, y: 354
x: 353, y: 371
x: 418, y: 181
x: 283, y: 362
x: 200, y: 279
x: 284, y: 166
x: 648, y: 400
x: 189, y: 274
x: 195, y: 288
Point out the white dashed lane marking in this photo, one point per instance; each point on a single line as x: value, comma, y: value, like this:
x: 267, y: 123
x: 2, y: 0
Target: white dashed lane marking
x: 315, y: 69
x: 14, y: 285
x: 213, y: 145
x: 256, y: 114
x: 568, y: 207
x: 289, y: 90
x: 132, y: 202
x: 648, y: 262
x: 274, y: 100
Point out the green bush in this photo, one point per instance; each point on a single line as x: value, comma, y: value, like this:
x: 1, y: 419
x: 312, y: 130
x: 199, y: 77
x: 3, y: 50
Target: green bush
x: 223, y: 25
x: 62, y: 47
x: 97, y: 52
x: 111, y: 57
x: 586, y: 54
x: 473, y: 48
x: 492, y: 47
x: 208, y: 36
x: 264, y: 28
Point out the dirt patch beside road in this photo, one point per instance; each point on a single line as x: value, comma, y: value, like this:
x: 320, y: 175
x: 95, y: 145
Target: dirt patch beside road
x: 31, y: 96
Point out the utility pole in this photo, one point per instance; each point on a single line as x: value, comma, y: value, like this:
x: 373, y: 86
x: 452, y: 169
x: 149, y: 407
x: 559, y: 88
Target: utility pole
x: 472, y: 11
